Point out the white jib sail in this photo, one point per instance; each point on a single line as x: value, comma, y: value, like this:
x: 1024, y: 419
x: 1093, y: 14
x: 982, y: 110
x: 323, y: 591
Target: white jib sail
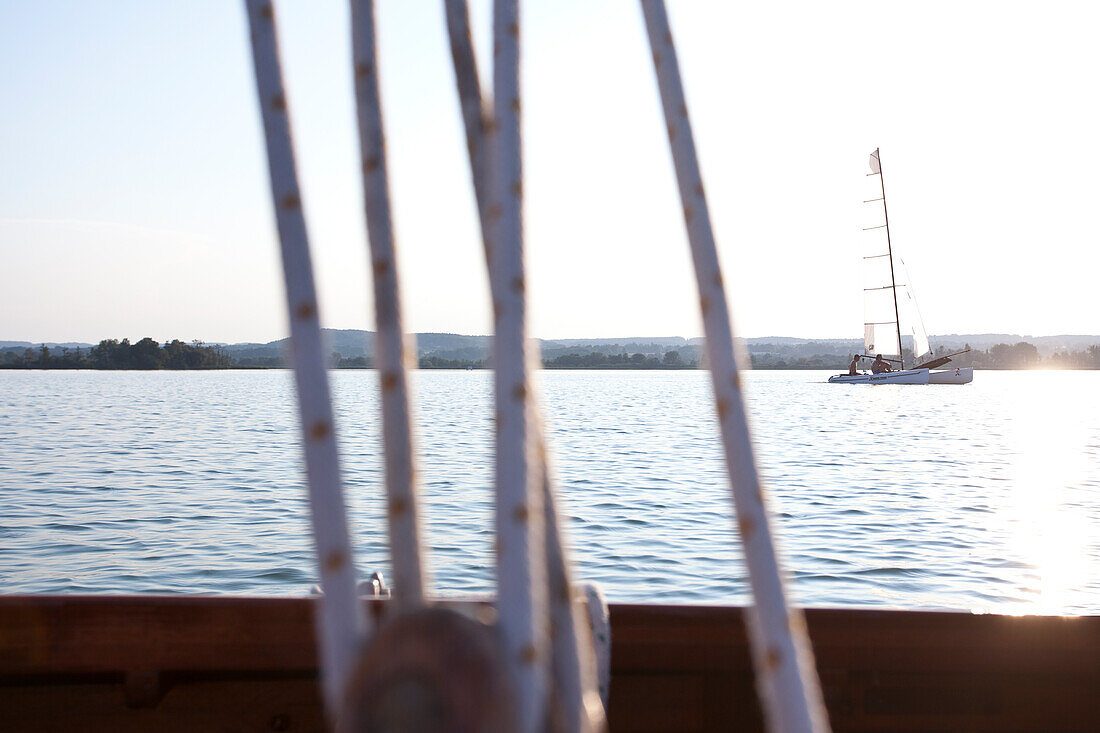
x: 921, y: 348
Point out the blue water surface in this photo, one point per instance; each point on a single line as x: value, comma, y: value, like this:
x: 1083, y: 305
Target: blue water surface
x: 979, y: 497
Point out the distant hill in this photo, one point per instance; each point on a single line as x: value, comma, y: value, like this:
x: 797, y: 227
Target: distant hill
x: 351, y: 343
x: 669, y: 341
x: 1047, y: 345
x: 354, y: 343
x: 9, y: 345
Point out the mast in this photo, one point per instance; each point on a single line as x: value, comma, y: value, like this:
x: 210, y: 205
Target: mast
x: 890, y: 251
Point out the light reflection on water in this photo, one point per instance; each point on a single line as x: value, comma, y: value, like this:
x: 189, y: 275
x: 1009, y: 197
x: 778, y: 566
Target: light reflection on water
x: 1047, y: 515
x: 982, y: 497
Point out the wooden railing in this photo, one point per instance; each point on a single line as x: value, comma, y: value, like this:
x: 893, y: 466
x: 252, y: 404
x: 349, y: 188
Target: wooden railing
x: 224, y: 663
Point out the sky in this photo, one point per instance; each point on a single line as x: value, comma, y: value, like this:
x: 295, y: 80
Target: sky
x: 134, y: 197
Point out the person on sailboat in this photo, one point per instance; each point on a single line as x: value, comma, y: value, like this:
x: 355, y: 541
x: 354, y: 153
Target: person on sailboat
x: 879, y: 365
x: 853, y: 368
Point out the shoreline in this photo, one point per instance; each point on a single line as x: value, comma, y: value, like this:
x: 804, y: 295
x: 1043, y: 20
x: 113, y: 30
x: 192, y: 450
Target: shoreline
x: 614, y: 368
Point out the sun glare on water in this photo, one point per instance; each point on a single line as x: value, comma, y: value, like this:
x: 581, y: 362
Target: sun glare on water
x: 1046, y: 518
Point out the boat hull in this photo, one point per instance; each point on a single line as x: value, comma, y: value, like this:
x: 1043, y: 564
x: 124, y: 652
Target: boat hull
x: 190, y: 664
x: 962, y: 375
x: 908, y: 376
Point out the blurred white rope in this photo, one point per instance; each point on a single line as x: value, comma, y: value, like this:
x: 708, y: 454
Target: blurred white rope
x: 572, y: 657
x: 476, y: 111
x: 390, y: 352
x: 521, y: 569
x: 340, y: 623
x: 786, y: 678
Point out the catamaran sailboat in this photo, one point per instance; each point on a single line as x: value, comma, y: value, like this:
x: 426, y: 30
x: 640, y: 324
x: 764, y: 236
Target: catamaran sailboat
x: 883, y: 314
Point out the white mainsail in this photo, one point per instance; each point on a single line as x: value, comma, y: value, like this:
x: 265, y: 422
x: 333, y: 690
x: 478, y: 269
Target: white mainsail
x: 880, y: 323
x: 890, y: 305
x: 889, y: 301
x: 880, y: 312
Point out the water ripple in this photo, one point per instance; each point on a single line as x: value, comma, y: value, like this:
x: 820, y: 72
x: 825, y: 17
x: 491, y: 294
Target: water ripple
x: 981, y: 497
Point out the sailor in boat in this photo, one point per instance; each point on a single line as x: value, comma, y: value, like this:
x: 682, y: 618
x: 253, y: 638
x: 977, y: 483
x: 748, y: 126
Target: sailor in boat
x: 853, y: 368
x: 879, y: 365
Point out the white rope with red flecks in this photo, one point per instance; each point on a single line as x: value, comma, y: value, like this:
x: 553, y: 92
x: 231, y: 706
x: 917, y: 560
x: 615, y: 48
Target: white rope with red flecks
x: 786, y: 678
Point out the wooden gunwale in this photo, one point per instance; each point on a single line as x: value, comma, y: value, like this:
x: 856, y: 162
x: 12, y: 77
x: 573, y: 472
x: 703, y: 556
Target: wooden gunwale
x: 174, y: 662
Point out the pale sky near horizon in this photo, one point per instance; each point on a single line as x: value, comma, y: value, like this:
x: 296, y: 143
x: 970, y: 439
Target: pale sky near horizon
x: 134, y: 198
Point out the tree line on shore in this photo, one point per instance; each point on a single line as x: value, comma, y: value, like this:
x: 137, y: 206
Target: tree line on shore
x: 147, y: 354
x: 1021, y: 355
x: 593, y: 360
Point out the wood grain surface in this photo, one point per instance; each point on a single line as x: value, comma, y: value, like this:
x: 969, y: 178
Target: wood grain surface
x: 133, y: 663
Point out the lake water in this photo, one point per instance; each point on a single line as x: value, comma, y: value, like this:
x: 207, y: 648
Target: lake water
x: 977, y: 497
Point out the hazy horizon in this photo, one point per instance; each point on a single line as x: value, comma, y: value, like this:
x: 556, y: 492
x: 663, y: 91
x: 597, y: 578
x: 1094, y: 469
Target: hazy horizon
x: 135, y: 198
x: 636, y: 337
